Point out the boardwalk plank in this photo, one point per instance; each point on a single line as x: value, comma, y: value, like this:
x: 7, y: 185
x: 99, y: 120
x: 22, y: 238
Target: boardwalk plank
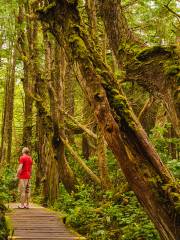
x: 37, y: 223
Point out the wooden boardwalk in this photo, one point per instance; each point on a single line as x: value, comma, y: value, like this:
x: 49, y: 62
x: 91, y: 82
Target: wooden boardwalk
x: 38, y: 223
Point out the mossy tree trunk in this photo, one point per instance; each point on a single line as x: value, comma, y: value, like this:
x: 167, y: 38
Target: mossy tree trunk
x: 6, y: 139
x: 44, y: 135
x: 121, y: 37
x: 25, y: 47
x: 148, y: 177
x: 88, y: 142
x: 57, y: 102
x: 69, y: 104
x: 50, y: 169
x: 102, y: 161
x: 90, y: 6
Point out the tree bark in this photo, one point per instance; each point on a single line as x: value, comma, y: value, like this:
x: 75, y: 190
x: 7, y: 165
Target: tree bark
x: 102, y: 161
x: 56, y: 93
x: 159, y: 66
x: 121, y: 38
x: 69, y: 96
x: 147, y: 115
x: 92, y: 19
x: 25, y: 47
x: 146, y: 174
x: 6, y: 140
x: 84, y: 128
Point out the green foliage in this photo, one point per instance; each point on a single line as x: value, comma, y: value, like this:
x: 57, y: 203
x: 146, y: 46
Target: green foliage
x: 161, y: 142
x: 8, y: 185
x: 152, y: 20
x: 174, y: 166
x: 104, y: 216
x: 130, y: 217
x: 3, y: 227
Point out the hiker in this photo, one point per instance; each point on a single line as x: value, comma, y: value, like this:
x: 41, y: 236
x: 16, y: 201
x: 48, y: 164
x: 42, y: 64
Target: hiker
x: 24, y: 174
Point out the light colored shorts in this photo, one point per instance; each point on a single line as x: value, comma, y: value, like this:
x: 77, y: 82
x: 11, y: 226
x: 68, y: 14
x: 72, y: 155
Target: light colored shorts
x: 24, y: 186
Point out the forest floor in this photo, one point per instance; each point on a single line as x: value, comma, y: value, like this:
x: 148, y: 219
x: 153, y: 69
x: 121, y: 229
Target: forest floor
x: 38, y: 223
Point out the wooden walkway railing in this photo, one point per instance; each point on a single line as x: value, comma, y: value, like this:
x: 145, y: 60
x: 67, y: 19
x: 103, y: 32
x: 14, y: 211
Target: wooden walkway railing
x: 38, y: 223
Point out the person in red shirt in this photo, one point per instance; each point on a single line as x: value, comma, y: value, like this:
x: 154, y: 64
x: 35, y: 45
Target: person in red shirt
x: 24, y: 174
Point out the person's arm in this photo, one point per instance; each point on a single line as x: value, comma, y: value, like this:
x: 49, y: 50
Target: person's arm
x: 31, y: 168
x: 19, y: 169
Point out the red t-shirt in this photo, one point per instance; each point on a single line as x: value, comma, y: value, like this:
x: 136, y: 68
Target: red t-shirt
x: 25, y: 172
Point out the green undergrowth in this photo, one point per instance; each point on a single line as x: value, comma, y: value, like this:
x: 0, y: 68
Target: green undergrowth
x: 114, y: 214
x: 162, y: 144
x: 8, y: 185
x: 105, y: 215
x: 8, y: 193
x: 4, y: 232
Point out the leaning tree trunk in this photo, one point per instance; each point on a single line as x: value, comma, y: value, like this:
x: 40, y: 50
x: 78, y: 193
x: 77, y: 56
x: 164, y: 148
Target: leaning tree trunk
x: 148, y: 177
x: 122, y: 41
x: 88, y: 143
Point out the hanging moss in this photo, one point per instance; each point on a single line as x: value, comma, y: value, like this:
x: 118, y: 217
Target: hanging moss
x: 78, y: 45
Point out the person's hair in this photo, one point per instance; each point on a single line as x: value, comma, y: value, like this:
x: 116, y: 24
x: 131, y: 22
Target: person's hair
x: 25, y: 150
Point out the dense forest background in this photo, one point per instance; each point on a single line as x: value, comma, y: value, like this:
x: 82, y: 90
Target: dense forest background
x: 91, y: 87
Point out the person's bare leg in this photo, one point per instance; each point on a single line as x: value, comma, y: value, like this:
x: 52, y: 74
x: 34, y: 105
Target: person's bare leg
x: 22, y: 199
x: 27, y: 199
x: 22, y: 192
x: 27, y: 195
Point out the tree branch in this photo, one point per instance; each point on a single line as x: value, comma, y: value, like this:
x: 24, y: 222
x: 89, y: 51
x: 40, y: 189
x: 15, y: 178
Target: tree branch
x: 90, y: 173
x: 170, y: 10
x: 88, y: 131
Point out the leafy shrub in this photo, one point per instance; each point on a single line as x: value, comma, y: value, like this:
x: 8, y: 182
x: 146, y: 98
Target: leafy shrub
x: 8, y: 186
x: 161, y: 143
x: 174, y: 166
x: 3, y: 227
x: 103, y: 216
